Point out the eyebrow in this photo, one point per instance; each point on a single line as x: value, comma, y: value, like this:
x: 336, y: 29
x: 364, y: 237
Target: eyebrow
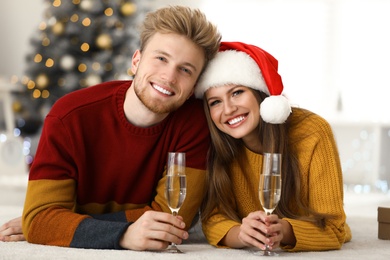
x: 170, y: 56
x: 230, y: 90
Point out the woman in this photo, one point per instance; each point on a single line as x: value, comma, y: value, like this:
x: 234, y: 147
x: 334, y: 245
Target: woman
x: 310, y: 214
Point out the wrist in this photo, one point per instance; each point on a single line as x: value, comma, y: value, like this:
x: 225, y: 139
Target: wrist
x: 288, y: 234
x: 231, y: 239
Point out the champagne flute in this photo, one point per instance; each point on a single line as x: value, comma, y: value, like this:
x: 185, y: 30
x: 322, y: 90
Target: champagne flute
x: 175, y: 187
x: 270, y: 187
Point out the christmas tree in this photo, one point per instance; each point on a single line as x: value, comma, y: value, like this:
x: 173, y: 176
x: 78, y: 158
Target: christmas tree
x: 78, y: 44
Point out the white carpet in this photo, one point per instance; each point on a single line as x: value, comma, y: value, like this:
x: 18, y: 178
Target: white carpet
x: 361, y: 210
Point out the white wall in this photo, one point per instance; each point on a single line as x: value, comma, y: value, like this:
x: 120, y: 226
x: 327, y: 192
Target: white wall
x: 19, y: 19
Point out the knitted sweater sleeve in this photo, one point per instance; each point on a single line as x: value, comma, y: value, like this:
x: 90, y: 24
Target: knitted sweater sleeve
x: 322, y: 189
x: 49, y: 215
x: 216, y: 228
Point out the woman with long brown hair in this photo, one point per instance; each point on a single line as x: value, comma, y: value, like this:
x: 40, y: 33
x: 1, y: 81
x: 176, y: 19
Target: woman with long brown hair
x: 310, y: 214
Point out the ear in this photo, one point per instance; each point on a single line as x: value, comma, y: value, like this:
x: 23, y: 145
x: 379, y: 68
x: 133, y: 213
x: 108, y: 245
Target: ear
x: 135, y: 61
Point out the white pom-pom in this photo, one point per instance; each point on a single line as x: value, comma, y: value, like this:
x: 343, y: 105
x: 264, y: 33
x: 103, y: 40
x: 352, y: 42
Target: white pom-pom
x: 275, y: 109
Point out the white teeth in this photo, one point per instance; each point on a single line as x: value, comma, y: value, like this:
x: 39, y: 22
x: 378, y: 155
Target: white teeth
x: 236, y: 120
x: 164, y: 91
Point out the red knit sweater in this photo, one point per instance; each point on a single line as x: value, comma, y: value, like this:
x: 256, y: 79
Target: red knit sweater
x: 91, y: 161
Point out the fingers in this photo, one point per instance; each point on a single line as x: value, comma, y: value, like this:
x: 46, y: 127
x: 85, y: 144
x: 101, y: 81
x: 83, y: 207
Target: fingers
x: 12, y: 230
x: 161, y: 217
x: 258, y: 230
x: 164, y: 227
x: 251, y: 232
x: 12, y: 238
x: 154, y: 231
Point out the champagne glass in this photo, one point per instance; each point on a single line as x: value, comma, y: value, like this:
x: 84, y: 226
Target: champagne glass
x: 175, y: 187
x: 270, y: 187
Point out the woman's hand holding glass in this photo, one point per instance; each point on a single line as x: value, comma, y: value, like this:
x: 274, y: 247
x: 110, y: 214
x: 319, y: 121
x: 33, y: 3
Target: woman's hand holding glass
x: 270, y: 188
x: 259, y: 229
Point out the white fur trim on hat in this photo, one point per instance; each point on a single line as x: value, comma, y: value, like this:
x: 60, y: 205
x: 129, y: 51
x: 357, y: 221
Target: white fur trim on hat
x: 231, y: 67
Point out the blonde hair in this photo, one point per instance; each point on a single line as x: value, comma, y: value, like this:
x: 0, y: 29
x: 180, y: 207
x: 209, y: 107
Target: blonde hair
x: 182, y: 20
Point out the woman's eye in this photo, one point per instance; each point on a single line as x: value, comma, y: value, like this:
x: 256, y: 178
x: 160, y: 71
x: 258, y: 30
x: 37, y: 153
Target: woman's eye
x: 213, y: 103
x: 237, y: 92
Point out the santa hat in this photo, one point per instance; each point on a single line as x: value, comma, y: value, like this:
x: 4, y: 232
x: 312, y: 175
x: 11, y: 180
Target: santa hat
x: 250, y: 66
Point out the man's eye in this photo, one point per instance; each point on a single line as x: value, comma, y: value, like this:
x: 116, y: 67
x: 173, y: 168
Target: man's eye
x: 186, y: 70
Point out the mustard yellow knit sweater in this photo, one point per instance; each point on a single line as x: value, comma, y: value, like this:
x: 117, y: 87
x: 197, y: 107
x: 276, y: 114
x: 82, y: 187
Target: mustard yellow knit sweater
x: 321, y: 187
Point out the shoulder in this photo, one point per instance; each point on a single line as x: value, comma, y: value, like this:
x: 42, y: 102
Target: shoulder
x: 305, y: 124
x: 85, y: 97
x: 303, y: 118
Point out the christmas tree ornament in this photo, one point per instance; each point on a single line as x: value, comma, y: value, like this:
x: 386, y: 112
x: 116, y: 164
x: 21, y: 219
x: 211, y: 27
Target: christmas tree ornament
x: 91, y: 6
x: 128, y: 9
x: 49, y: 63
x: 67, y: 62
x: 92, y: 79
x: 104, y: 41
x: 58, y: 28
x: 42, y: 81
x: 17, y: 106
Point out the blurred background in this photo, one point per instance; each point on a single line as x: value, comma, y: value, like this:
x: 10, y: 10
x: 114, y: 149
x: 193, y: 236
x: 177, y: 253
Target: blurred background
x: 333, y: 57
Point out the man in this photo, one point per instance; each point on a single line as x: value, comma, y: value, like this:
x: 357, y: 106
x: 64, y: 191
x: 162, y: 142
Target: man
x: 97, y: 180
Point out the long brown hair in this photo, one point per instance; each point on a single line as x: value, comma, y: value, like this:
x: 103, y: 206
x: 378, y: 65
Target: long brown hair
x: 224, y: 149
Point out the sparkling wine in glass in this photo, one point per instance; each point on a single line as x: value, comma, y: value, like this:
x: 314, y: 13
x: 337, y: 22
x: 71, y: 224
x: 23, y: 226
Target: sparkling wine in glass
x: 175, y: 187
x: 270, y: 186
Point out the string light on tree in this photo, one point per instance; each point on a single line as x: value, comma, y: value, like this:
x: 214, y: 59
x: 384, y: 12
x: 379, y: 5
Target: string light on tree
x: 42, y: 81
x: 128, y: 9
x: 67, y: 62
x: 104, y: 41
x: 58, y: 28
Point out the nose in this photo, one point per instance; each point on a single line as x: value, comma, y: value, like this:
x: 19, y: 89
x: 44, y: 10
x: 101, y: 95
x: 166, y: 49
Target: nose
x: 170, y: 74
x: 229, y: 107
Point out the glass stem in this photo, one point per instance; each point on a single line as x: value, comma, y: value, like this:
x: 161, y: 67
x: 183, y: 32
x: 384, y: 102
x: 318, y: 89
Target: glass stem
x: 266, y: 235
x: 174, y: 213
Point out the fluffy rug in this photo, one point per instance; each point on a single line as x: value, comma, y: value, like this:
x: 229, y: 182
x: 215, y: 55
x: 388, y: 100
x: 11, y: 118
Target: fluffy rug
x: 361, y: 211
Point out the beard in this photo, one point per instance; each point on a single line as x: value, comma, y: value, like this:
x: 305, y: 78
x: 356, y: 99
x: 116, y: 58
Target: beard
x: 156, y: 106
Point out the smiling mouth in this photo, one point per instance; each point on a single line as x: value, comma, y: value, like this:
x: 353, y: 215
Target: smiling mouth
x: 162, y: 90
x: 236, y: 120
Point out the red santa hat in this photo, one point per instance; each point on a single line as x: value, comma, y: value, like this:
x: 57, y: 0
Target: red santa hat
x: 250, y: 66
